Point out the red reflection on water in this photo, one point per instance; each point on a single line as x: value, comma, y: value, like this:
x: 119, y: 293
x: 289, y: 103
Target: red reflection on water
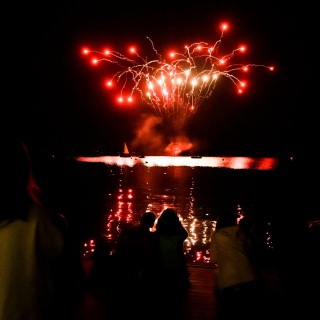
x: 169, y: 183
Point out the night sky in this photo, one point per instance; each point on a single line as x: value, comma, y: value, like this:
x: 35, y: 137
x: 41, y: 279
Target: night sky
x: 57, y: 101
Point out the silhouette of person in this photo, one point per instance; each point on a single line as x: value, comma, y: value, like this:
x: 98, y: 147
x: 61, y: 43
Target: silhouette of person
x: 30, y: 242
x: 133, y: 260
x: 172, y: 265
x: 70, y: 278
x: 102, y: 263
x: 171, y: 277
x: 134, y: 247
x: 238, y: 288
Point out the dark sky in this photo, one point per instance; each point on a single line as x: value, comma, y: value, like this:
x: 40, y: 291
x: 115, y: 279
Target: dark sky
x: 57, y: 100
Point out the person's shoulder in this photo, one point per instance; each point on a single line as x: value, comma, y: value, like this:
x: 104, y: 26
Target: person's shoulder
x: 132, y: 230
x: 185, y: 235
x: 226, y: 231
x: 129, y: 233
x: 38, y: 211
x: 184, y: 232
x: 40, y: 215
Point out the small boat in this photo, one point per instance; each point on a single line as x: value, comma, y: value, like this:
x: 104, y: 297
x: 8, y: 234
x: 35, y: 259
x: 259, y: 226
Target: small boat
x: 196, y: 157
x: 125, y: 153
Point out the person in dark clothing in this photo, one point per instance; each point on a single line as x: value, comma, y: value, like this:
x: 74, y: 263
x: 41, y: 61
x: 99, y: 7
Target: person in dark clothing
x: 133, y: 259
x: 134, y: 248
x: 171, y: 234
x: 170, y: 276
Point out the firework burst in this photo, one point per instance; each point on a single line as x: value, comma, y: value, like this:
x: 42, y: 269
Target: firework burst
x: 174, y: 87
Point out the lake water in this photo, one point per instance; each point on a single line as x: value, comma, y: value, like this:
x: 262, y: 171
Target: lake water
x: 102, y: 195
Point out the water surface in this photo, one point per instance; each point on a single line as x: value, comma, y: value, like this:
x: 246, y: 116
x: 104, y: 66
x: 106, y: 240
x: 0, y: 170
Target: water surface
x: 121, y: 189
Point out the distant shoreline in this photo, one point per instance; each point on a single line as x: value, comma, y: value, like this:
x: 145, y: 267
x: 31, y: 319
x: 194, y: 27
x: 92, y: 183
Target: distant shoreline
x: 263, y: 163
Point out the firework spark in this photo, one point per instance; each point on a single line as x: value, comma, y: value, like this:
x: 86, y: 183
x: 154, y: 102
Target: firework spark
x: 174, y: 87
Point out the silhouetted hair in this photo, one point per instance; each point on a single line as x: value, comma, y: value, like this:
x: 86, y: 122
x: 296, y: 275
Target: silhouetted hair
x: 246, y: 224
x: 19, y: 188
x: 168, y: 223
x: 148, y: 219
x: 227, y: 218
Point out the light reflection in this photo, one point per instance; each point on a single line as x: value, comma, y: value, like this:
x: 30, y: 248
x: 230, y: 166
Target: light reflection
x: 185, y: 161
x: 157, y: 183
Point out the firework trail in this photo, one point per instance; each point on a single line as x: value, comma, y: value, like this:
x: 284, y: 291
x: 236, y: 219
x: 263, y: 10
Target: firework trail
x: 174, y: 87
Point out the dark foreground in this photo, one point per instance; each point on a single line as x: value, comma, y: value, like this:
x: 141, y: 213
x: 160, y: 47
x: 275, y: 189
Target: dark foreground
x: 287, y: 294
x: 198, y: 302
x: 291, y: 282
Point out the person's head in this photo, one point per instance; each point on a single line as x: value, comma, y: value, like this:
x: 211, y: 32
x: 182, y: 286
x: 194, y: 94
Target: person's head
x: 168, y: 222
x: 147, y: 220
x: 227, y: 218
x: 246, y: 223
x: 19, y: 186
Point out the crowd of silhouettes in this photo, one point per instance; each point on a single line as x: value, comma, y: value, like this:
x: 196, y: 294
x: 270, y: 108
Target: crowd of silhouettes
x: 148, y: 264
x: 42, y: 276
